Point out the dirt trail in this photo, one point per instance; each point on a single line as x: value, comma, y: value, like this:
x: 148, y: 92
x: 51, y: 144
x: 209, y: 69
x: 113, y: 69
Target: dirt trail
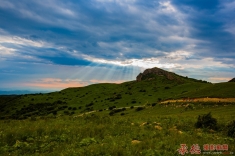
x: 85, y: 113
x: 202, y: 100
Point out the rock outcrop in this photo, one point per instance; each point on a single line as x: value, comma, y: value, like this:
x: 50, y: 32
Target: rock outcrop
x: 155, y: 71
x: 233, y: 80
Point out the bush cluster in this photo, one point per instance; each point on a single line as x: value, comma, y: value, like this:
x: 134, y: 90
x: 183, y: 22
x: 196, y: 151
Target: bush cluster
x: 206, y: 121
x: 112, y: 107
x: 133, y: 101
x: 114, y: 98
x: 231, y: 129
x: 38, y: 109
x: 140, y: 108
x: 154, y: 104
x: 90, y: 104
x: 116, y: 111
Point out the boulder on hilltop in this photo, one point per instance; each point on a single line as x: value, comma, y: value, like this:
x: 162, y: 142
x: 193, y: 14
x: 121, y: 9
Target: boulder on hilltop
x: 150, y: 73
x: 233, y: 80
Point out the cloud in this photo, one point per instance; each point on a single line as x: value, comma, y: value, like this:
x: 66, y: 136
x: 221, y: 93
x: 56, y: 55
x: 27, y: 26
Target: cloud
x: 53, y: 83
x: 15, y: 40
x: 209, y: 23
x: 106, y: 81
x: 115, y: 36
x: 58, y: 84
x: 219, y: 79
x: 99, y: 24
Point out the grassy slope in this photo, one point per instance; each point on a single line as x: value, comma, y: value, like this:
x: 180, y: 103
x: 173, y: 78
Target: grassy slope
x: 101, y: 134
x: 222, y: 90
x: 102, y: 96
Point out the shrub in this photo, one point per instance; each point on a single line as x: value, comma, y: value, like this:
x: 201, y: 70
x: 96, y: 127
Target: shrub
x: 112, y: 107
x: 50, y: 108
x: 231, y: 129
x: 131, y: 107
x: 111, y: 113
x: 139, y: 108
x: 206, y: 121
x: 111, y: 100
x: 90, y: 104
x: 59, y: 102
x: 133, y: 101
x: 66, y: 112
x: 89, y: 109
x: 154, y: 104
x: 116, y: 111
x: 119, y: 96
x: 54, y: 112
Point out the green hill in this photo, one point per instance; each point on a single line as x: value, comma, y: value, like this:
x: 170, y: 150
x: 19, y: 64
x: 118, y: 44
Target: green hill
x: 156, y: 85
x: 118, y: 119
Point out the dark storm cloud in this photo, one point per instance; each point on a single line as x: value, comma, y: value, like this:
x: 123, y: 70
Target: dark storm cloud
x: 209, y: 21
x: 82, y: 25
x: 199, y: 4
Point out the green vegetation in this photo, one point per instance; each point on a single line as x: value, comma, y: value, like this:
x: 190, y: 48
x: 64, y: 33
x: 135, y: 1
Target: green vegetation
x: 157, y: 130
x: 231, y: 129
x: 118, y: 119
x: 206, y: 121
x: 102, y: 96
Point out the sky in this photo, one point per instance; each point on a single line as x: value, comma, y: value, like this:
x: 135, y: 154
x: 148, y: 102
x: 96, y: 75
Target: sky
x: 55, y: 44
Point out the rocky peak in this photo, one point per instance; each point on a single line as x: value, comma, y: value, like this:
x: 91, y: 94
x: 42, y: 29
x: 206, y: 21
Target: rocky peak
x: 155, y: 71
x: 233, y: 80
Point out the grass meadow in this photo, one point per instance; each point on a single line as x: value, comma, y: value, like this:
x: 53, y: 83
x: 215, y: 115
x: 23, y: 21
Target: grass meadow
x: 127, y: 119
x: 153, y: 130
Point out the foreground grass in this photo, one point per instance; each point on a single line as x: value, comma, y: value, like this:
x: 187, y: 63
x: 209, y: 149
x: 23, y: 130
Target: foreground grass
x: 155, y: 130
